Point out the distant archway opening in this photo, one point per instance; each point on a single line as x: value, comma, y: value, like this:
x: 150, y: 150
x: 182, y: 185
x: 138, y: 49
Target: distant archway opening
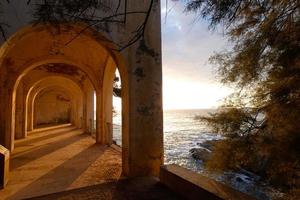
x: 70, y: 81
x: 52, y: 107
x: 117, y: 110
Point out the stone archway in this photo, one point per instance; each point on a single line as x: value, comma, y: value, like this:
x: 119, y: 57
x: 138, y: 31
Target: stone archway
x: 93, y: 55
x: 50, y: 74
x: 74, y: 90
x: 85, y: 54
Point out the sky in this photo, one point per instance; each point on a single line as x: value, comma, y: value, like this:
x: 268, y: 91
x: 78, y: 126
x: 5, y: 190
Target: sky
x: 189, y: 81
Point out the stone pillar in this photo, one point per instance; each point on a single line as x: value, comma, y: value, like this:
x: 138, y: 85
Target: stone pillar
x: 84, y: 113
x: 4, y: 166
x: 30, y: 107
x: 89, y: 110
x: 108, y: 82
x: 20, y: 109
x: 6, y: 118
x: 74, y: 113
x: 3, y: 117
x: 145, y: 153
x: 25, y: 114
x: 101, y: 137
x: 99, y: 120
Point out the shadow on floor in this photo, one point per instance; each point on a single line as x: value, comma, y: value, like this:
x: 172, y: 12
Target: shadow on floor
x: 50, y: 134
x: 126, y: 189
x: 32, y: 155
x: 51, y: 125
x: 61, y: 177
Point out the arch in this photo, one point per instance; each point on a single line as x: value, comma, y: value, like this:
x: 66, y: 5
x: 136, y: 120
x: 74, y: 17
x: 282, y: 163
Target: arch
x: 45, y: 72
x: 53, y: 81
x: 142, y: 149
x: 90, y: 52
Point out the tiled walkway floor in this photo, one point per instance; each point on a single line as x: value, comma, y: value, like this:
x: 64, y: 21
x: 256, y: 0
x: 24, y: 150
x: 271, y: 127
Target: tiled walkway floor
x: 58, y: 160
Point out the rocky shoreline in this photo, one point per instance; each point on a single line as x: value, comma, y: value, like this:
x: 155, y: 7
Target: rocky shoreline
x: 203, y: 152
x: 242, y: 179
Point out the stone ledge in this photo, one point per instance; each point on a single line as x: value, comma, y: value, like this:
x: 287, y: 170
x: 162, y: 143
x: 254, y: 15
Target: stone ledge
x: 49, y: 128
x: 4, y: 166
x: 192, y: 185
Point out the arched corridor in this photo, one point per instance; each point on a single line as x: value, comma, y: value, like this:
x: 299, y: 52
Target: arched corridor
x: 59, y: 158
x: 49, y: 76
x: 49, y: 112
x: 76, y: 62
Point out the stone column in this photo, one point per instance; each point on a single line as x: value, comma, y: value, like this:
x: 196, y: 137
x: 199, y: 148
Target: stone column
x: 145, y: 153
x: 20, y: 109
x: 74, y: 113
x: 30, y: 108
x: 89, y: 110
x: 84, y: 113
x: 99, y: 119
x: 6, y: 118
x: 4, y: 140
x: 108, y: 82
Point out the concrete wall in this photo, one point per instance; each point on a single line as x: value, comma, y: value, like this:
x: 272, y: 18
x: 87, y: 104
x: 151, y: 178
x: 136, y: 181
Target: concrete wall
x: 52, y: 107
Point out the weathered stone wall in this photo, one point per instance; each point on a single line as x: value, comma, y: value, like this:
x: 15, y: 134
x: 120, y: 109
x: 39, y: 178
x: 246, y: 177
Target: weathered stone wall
x: 52, y: 107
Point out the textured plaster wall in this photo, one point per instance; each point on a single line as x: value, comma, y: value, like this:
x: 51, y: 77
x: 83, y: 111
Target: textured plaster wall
x: 52, y: 107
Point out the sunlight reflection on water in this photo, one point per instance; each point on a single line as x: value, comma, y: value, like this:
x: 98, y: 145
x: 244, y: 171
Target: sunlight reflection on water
x: 182, y: 133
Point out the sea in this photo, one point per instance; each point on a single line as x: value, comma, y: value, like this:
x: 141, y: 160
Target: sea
x: 183, y: 132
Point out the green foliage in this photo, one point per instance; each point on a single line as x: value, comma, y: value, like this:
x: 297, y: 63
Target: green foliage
x: 234, y: 122
x: 261, y: 120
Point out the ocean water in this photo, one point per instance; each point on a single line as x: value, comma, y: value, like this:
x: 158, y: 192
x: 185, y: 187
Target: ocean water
x: 182, y: 133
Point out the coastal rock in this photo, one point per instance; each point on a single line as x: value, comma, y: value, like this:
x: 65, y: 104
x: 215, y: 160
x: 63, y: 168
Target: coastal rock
x: 251, y: 176
x: 208, y: 144
x: 200, y: 154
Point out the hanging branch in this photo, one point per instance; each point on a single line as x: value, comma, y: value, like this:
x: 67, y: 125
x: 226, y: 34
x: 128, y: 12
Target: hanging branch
x: 56, y: 12
x: 2, y: 31
x: 3, y: 25
x: 140, y: 32
x: 60, y: 11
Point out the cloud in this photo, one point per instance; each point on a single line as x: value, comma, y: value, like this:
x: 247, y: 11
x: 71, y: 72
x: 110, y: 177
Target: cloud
x: 189, y: 79
x: 188, y: 44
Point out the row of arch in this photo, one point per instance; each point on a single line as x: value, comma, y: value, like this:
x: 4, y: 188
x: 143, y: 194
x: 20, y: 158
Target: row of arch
x: 28, y: 99
x: 72, y: 72
x: 73, y: 65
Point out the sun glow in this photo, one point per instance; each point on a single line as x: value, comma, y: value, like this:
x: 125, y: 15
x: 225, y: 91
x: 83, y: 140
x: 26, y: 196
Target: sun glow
x: 192, y: 95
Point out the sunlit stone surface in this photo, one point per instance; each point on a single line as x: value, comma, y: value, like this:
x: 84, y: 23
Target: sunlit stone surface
x: 59, y: 159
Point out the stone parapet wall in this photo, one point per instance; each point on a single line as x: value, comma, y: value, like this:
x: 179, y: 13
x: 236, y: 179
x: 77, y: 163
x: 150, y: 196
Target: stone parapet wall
x: 194, y: 186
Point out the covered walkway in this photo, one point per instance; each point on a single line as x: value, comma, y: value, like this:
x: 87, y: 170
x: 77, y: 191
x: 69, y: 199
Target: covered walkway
x: 65, y: 73
x: 57, y: 159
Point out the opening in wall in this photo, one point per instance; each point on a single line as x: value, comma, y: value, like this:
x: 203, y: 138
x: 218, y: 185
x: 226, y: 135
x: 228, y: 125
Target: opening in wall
x: 117, y: 110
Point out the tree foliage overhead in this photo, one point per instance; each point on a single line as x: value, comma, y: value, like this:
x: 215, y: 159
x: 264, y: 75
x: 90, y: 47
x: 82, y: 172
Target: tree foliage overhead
x: 97, y: 14
x: 264, y: 67
x: 100, y: 15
